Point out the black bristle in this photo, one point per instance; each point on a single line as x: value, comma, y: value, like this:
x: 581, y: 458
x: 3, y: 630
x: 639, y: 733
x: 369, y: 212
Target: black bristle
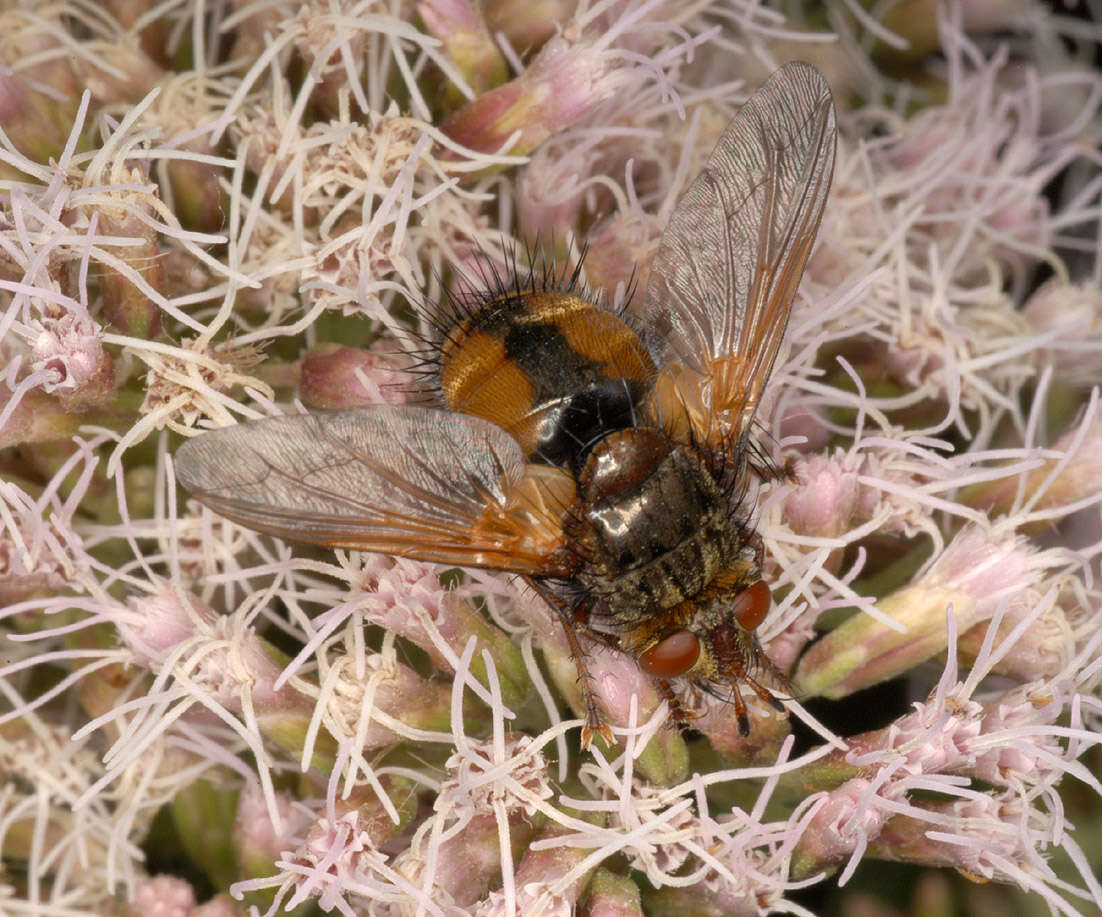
x: 515, y: 270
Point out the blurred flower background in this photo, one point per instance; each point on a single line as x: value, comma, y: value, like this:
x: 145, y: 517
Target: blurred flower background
x: 219, y: 211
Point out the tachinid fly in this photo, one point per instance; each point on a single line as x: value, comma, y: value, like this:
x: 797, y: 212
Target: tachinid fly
x: 605, y: 458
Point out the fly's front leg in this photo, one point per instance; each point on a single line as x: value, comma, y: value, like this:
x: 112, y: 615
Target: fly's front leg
x: 681, y: 715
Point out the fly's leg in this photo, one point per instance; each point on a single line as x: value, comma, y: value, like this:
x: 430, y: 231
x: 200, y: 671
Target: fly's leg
x: 679, y: 713
x: 765, y: 468
x: 580, y: 617
x: 736, y: 672
x: 594, y: 723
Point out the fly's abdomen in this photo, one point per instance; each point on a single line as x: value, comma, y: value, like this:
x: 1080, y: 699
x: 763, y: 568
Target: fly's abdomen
x: 555, y: 370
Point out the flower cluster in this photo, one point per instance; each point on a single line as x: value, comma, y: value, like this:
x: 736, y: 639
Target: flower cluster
x: 212, y: 213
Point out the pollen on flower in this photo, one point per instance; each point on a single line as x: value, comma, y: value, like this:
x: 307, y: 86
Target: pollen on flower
x: 481, y: 777
x: 326, y: 176
x: 192, y: 381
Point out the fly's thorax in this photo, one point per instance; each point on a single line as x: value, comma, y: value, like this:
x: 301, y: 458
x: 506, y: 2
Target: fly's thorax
x: 653, y: 525
x: 553, y: 369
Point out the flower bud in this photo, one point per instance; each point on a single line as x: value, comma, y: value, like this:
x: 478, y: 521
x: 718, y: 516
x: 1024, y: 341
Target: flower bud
x: 527, y: 23
x: 128, y: 308
x: 397, y: 692
x: 619, y: 252
x: 983, y: 837
x: 37, y: 126
x: 467, y: 43
x: 481, y: 788
x: 1072, y: 311
x: 407, y: 598
x: 828, y: 498
x: 538, y: 881
x: 219, y: 906
x: 843, y: 820
x: 973, y: 574
x: 335, y: 378
x: 564, y: 83
x: 1059, y: 482
x: 612, y: 895
x: 69, y: 349
x: 165, y: 896
x: 203, y: 815
x: 220, y: 657
x: 256, y: 842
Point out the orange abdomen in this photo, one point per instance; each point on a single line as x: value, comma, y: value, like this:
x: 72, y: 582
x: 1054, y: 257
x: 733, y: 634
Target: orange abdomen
x: 554, y: 370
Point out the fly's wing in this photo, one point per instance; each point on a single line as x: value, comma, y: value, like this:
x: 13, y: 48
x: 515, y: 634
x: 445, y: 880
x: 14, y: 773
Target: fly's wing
x: 730, y: 260
x: 404, y: 480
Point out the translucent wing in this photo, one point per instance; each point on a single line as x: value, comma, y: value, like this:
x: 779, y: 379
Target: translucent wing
x: 399, y: 480
x: 730, y: 260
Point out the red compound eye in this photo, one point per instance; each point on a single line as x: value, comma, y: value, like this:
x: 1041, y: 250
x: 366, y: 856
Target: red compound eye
x: 752, y: 605
x: 671, y: 657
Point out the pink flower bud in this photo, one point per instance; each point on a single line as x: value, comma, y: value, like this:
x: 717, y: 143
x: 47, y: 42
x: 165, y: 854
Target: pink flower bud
x: 828, y: 498
x: 467, y: 41
x: 973, y: 574
x: 612, y: 895
x: 257, y: 844
x: 164, y: 896
x: 843, y: 821
x: 36, y: 124
x: 336, y: 377
x: 538, y: 881
x: 1073, y: 313
x: 161, y: 622
x: 219, y: 906
x: 482, y: 786
x: 69, y: 348
x: 406, y: 597
x: 564, y: 83
x: 805, y: 420
x: 527, y: 23
x: 619, y: 253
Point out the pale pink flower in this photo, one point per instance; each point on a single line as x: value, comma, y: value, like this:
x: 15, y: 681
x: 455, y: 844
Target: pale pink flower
x: 163, y: 896
x: 69, y: 349
x: 247, y: 212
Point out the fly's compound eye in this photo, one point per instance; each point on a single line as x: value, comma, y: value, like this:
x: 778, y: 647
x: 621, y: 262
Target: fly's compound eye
x: 752, y: 605
x: 671, y: 657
